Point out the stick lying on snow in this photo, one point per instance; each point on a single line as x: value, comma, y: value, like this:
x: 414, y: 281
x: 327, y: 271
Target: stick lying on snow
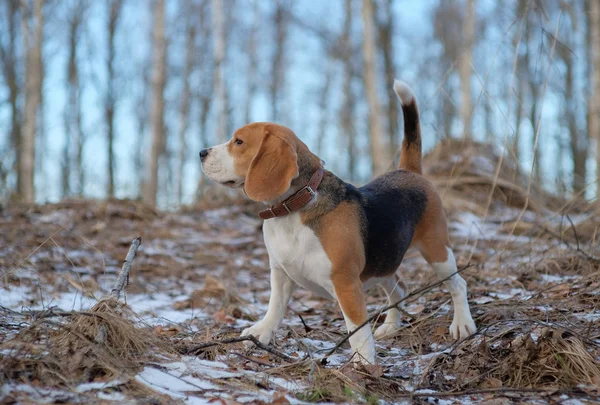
x: 124, y: 275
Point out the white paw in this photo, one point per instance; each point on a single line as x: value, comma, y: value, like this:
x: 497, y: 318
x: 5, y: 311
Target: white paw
x: 263, y: 332
x: 387, y: 330
x: 462, y: 326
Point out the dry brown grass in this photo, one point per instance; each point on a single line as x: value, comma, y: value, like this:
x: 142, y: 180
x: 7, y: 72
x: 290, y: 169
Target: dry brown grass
x: 519, y: 357
x: 104, y: 343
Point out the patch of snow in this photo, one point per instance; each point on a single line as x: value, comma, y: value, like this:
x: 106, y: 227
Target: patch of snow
x: 165, y: 383
x: 551, y: 278
x: 98, y: 385
x: 209, y: 369
x: 112, y: 396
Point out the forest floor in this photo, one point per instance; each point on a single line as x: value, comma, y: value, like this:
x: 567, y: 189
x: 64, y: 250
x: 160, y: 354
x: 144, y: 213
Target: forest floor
x: 531, y: 261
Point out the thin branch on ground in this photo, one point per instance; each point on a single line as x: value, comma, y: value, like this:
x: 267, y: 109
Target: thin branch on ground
x: 201, y: 346
x: 124, y: 275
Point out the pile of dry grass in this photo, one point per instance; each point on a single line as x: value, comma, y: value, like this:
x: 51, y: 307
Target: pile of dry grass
x: 473, y: 176
x: 106, y: 342
x: 541, y: 357
x: 102, y: 344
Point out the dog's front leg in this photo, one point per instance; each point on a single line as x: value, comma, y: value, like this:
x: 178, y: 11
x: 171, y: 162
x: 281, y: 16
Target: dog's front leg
x: 282, y: 287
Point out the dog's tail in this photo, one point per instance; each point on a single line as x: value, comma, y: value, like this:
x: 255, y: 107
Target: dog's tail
x: 410, y: 157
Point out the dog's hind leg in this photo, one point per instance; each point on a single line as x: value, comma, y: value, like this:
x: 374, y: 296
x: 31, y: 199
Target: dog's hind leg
x: 395, y: 290
x: 441, y: 258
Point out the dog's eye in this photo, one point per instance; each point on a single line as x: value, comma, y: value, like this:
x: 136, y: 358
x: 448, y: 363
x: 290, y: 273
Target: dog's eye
x: 238, y: 141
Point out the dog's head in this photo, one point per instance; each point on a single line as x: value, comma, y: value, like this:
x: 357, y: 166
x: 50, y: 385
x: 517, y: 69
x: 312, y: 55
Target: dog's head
x: 261, y: 157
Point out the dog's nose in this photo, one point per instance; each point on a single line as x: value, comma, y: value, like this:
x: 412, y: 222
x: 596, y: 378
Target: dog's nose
x: 204, y: 153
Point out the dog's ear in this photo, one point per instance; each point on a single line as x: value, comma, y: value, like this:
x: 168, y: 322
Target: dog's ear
x: 273, y: 168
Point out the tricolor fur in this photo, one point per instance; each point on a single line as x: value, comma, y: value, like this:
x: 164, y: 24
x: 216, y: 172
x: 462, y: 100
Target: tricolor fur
x: 348, y: 238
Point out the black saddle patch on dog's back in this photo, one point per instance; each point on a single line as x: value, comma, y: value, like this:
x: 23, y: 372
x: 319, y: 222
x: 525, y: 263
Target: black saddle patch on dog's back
x: 393, y: 205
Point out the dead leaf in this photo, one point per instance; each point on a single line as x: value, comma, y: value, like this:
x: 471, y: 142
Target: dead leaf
x: 167, y: 331
x: 492, y: 382
x: 222, y: 317
x: 280, y: 399
x: 374, y: 370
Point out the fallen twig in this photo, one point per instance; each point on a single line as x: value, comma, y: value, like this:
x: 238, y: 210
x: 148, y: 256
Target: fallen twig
x: 124, y: 275
x: 394, y: 305
x: 196, y: 348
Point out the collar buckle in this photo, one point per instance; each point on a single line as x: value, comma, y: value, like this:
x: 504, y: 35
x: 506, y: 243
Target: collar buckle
x: 289, y: 211
x: 310, y: 190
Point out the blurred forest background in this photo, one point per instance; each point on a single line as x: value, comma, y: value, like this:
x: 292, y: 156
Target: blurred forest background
x: 115, y: 98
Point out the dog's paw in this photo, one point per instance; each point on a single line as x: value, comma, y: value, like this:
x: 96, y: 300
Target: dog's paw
x: 462, y: 326
x: 386, y: 330
x: 260, y: 331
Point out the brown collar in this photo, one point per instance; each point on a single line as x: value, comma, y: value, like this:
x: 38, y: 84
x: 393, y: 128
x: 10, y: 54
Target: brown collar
x: 297, y: 200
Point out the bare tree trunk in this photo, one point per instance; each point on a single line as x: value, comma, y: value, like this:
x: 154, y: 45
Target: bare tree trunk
x: 219, y: 55
x: 32, y: 35
x: 347, y: 111
x: 533, y: 113
x: 278, y: 69
x: 72, y: 112
x: 386, y: 31
x: 518, y: 118
x: 252, y: 62
x: 448, y: 112
x: 206, y: 91
x: 159, y: 67
x: 184, y: 108
x: 378, y: 161
x: 8, y: 58
x: 111, y: 97
x: 521, y: 71
x: 141, y: 114
x: 204, y: 109
x: 464, y: 67
x: 594, y: 102
x: 534, y: 90
x: 577, y: 142
x: 40, y: 139
x: 323, y: 107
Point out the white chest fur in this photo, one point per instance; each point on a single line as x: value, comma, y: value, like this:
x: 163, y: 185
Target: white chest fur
x: 294, y: 247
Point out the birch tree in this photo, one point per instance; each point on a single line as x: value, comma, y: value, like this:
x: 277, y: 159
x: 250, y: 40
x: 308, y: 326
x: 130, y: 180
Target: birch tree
x: 378, y: 161
x: 10, y: 65
x: 577, y: 141
x: 447, y: 29
x: 220, y: 42
x: 252, y: 62
x: 464, y: 67
x: 73, y: 146
x: 33, y: 26
x: 157, y: 120
x: 349, y: 102
x: 114, y: 13
x: 594, y: 83
x: 386, y: 38
x: 186, y: 95
x: 278, y: 70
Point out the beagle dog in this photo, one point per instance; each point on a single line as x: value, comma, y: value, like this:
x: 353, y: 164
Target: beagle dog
x: 333, y: 238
